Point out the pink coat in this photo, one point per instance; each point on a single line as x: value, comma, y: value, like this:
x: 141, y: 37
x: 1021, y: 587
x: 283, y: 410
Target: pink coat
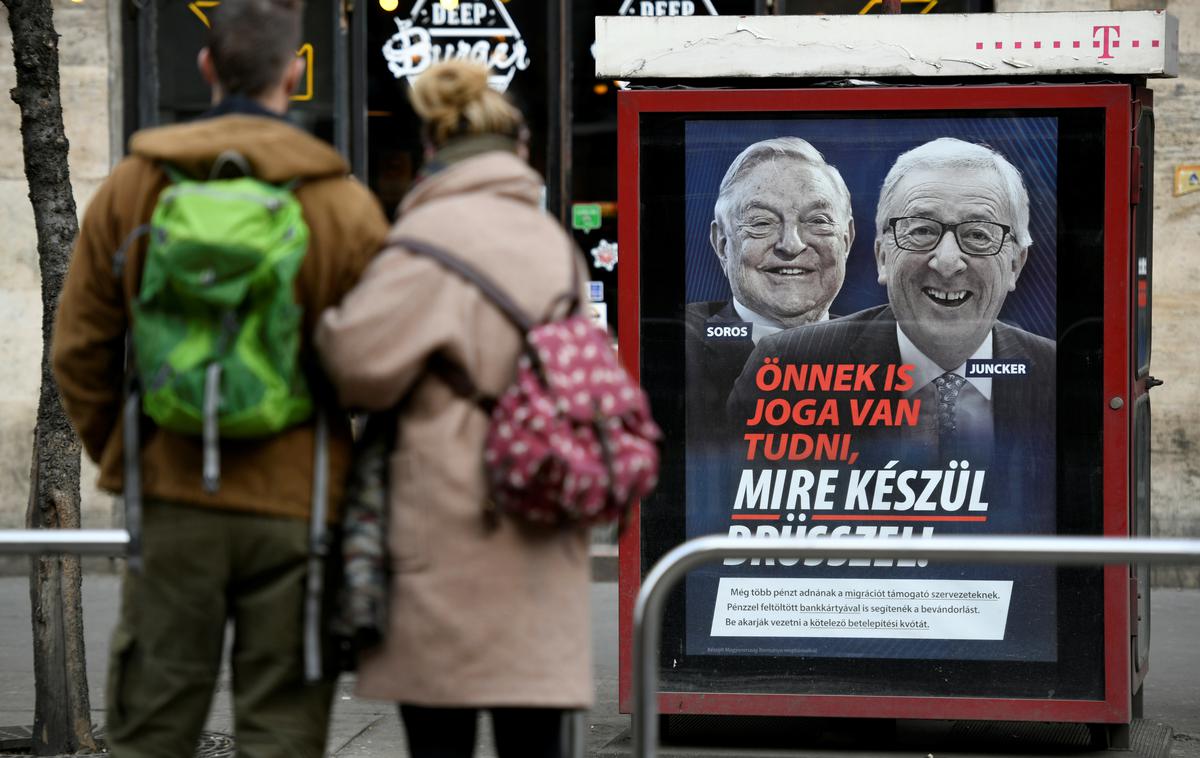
x: 478, y: 617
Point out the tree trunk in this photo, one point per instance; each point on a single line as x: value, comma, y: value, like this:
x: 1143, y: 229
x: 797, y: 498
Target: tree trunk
x: 62, y: 711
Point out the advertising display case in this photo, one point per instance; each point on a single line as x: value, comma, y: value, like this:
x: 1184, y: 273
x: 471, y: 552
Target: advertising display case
x: 894, y: 309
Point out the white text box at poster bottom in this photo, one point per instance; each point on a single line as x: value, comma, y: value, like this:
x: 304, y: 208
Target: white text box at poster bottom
x: 937, y: 609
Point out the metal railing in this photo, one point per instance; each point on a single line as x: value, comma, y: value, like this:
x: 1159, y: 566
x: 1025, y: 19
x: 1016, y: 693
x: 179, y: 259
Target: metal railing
x: 115, y: 542
x: 647, y: 613
x: 74, y: 541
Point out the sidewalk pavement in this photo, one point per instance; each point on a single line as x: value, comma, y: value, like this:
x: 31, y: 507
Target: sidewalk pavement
x: 371, y: 729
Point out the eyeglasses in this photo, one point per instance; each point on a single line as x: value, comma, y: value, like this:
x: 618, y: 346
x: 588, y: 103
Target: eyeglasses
x: 916, y: 234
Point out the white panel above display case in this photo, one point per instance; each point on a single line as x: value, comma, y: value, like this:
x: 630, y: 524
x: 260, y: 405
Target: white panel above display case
x: 1137, y: 43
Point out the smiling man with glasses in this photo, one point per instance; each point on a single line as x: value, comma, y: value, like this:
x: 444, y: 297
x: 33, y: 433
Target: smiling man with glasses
x: 952, y: 236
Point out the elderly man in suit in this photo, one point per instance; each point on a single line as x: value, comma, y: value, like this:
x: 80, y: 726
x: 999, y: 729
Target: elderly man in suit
x: 952, y: 236
x: 781, y: 229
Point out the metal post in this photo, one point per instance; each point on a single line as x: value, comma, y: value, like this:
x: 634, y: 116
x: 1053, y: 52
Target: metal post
x: 341, y: 82
x: 558, y: 105
x: 358, y: 91
x: 75, y: 541
x: 573, y: 729
x: 147, y: 78
x: 647, y: 613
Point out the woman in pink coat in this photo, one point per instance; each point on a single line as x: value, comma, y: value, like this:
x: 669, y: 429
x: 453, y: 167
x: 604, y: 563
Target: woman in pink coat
x: 483, y: 614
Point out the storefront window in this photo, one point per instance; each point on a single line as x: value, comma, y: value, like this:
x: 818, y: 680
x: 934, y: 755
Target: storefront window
x: 541, y: 54
x: 404, y: 38
x: 592, y: 215
x: 165, y: 86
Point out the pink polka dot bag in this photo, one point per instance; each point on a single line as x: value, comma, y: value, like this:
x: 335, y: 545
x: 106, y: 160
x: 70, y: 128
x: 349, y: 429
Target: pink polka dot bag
x: 571, y: 441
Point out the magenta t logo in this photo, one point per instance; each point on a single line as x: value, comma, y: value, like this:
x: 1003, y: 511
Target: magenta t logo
x: 1107, y: 41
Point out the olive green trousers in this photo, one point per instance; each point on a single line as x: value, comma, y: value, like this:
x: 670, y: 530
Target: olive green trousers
x: 204, y: 568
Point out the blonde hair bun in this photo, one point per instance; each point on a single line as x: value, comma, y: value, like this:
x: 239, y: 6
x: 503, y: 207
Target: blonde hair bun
x: 453, y: 99
x: 448, y: 86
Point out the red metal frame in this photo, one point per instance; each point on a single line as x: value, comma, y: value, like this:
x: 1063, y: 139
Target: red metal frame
x: 1143, y: 99
x: 1115, y: 99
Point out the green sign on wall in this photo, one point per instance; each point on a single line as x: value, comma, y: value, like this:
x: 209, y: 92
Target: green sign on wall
x: 585, y: 217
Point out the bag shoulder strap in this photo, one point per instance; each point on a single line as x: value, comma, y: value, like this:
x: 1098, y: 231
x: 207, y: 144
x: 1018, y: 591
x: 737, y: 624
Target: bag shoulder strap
x: 318, y: 551
x: 485, y: 284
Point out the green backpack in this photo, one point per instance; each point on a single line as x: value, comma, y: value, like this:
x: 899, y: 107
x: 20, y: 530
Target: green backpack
x: 216, y: 326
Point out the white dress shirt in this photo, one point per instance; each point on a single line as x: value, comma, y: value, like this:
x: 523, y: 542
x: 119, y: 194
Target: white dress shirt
x: 973, y: 412
x: 760, y: 325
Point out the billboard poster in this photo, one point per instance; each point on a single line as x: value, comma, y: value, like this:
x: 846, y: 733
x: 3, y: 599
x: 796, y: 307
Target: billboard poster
x: 870, y: 351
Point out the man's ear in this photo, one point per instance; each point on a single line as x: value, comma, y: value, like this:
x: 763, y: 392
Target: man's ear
x: 880, y: 262
x: 718, y: 240
x: 293, y: 74
x: 208, y: 69
x: 1018, y: 263
x: 849, y: 235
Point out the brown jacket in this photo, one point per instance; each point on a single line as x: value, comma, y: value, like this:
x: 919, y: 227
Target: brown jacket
x: 347, y: 227
x: 479, y: 617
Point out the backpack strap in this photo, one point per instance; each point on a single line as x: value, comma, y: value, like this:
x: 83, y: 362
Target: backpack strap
x: 318, y: 551
x: 513, y: 312
x: 131, y: 441
x: 229, y: 164
x: 454, y: 375
x: 174, y: 173
x: 122, y: 253
x: 220, y: 167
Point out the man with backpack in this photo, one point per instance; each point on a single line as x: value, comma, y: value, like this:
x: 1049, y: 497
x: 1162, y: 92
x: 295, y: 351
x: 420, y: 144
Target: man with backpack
x: 201, y: 267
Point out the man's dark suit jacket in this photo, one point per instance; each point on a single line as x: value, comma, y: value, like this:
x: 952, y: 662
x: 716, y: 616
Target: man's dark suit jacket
x: 712, y: 365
